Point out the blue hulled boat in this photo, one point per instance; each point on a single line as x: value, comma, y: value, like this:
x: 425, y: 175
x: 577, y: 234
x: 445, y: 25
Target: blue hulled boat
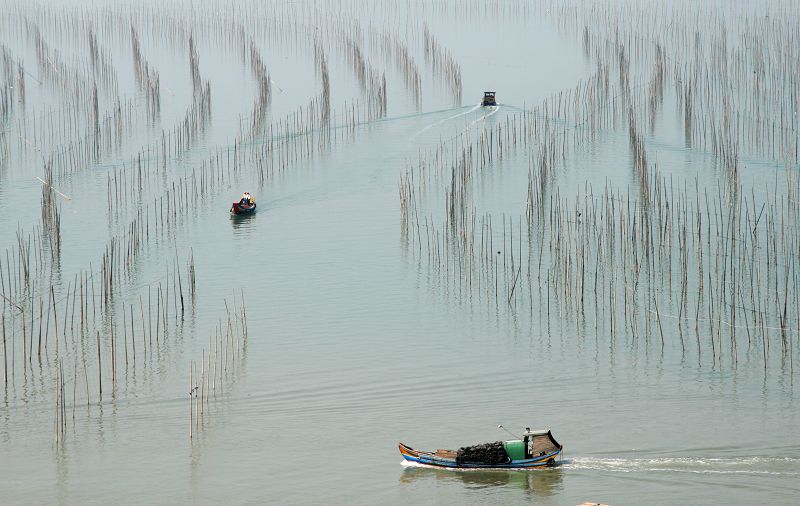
x: 537, y: 448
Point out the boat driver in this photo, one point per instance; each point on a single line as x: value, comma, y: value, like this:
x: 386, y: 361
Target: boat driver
x: 247, y: 199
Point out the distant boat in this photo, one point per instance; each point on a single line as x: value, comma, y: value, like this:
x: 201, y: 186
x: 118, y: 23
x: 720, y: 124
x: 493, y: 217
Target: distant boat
x: 488, y: 98
x: 538, y: 448
x: 239, y: 209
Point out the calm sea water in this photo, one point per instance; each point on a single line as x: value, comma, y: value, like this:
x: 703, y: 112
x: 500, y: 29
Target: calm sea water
x: 353, y: 343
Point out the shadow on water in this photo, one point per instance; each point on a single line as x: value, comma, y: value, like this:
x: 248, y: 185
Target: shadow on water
x: 539, y: 482
x: 243, y: 222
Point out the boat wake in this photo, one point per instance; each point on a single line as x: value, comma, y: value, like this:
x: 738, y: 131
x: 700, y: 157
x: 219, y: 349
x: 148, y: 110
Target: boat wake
x: 409, y: 463
x: 773, y: 466
x: 482, y: 118
x: 432, y: 125
x: 755, y: 466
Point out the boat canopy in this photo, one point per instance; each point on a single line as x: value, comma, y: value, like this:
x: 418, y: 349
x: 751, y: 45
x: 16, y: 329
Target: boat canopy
x: 542, y: 432
x: 541, y: 442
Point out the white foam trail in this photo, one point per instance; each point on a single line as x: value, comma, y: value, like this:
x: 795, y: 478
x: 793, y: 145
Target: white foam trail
x: 411, y: 463
x: 482, y: 118
x: 777, y: 466
x: 440, y: 122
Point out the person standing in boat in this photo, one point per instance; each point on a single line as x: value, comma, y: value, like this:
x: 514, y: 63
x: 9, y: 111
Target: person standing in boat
x: 247, y: 199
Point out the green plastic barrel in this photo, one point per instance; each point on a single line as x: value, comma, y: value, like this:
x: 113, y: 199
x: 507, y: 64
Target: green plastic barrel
x: 515, y: 449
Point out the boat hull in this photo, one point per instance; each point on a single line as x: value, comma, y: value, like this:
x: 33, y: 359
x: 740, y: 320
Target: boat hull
x: 238, y: 210
x: 430, y: 459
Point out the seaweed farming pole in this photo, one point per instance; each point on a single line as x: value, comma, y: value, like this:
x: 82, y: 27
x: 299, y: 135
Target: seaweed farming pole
x: 99, y: 368
x: 5, y: 358
x: 191, y: 392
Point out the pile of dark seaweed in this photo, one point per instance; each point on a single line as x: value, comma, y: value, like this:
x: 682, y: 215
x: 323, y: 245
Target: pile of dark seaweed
x: 488, y: 454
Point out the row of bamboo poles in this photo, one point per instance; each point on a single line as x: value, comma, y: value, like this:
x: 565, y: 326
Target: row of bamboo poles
x: 103, y: 323
x: 663, y: 257
x: 226, y: 352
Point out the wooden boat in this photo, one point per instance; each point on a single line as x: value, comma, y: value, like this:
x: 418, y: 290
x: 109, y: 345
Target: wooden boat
x: 538, y: 448
x: 242, y: 209
x: 488, y: 98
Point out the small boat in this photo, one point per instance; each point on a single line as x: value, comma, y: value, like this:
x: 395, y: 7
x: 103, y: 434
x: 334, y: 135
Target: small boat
x: 241, y: 209
x: 488, y: 98
x: 537, y: 448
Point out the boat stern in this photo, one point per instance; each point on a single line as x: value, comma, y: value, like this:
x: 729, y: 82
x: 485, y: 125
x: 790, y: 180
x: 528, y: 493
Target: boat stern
x: 489, y: 98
